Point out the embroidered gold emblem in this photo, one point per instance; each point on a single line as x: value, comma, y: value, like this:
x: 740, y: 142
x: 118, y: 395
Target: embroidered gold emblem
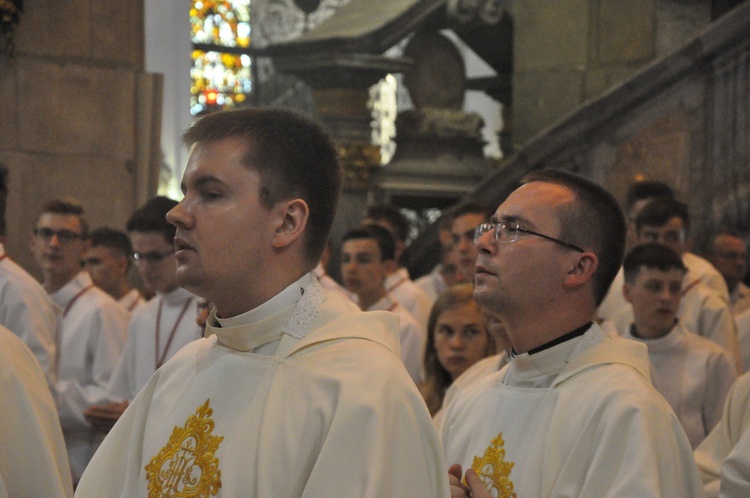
x: 494, y: 470
x: 187, y: 466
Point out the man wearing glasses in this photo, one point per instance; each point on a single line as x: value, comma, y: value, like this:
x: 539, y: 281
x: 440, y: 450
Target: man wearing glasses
x: 159, y: 328
x: 93, y: 324
x: 574, y: 412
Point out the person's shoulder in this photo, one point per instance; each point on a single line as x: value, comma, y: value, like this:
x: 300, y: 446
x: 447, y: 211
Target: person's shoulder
x: 17, y: 360
x: 12, y: 276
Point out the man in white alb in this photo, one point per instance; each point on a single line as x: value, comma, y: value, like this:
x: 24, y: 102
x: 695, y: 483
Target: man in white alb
x: 93, y: 324
x: 33, y: 461
x: 398, y: 283
x: 294, y: 391
x: 25, y: 308
x: 691, y: 372
x: 159, y: 328
x: 108, y: 261
x: 574, y: 412
x: 366, y: 254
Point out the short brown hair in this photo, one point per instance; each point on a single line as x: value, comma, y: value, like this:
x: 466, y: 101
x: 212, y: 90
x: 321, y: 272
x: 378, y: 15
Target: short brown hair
x: 69, y: 206
x: 594, y: 221
x: 294, y: 157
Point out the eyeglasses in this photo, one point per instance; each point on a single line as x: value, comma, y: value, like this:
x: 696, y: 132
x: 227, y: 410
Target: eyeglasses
x: 152, y: 257
x: 509, y: 231
x: 63, y: 236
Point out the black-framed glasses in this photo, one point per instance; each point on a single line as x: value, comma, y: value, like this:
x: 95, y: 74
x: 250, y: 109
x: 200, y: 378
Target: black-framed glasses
x: 151, y: 256
x: 64, y: 236
x: 509, y: 231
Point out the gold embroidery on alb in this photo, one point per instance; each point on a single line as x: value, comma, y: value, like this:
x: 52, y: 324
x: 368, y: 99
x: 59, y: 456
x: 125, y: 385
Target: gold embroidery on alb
x: 494, y: 470
x: 187, y: 466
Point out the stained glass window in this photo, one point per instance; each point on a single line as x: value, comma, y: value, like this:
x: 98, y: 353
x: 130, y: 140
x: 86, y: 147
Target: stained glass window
x: 221, y: 79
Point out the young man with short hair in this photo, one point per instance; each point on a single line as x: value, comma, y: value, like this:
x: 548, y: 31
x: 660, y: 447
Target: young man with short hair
x: 466, y: 218
x: 366, y: 259
x: 163, y: 325
x: 93, y: 324
x: 293, y: 391
x: 574, y: 412
x: 108, y: 261
x: 727, y: 252
x: 702, y: 310
x: 25, y: 308
x: 398, y: 281
x: 691, y: 372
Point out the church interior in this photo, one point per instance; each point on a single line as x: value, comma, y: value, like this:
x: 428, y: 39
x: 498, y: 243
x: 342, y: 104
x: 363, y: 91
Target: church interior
x: 431, y: 102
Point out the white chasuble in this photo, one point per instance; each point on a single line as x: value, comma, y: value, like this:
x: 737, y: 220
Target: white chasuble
x: 580, y: 419
x: 331, y: 412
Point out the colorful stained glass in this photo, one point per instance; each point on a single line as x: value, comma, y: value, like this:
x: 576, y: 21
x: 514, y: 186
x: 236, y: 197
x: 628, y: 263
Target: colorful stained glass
x: 220, y: 80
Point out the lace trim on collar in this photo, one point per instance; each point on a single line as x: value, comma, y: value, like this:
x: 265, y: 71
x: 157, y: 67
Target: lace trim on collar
x: 306, y: 311
x: 592, y: 337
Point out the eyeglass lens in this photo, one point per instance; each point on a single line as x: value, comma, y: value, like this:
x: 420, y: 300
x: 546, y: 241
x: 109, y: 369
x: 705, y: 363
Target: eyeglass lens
x: 64, y: 236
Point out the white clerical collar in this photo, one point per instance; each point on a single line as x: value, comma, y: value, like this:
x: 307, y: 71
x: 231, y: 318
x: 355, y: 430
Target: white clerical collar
x: 283, y: 299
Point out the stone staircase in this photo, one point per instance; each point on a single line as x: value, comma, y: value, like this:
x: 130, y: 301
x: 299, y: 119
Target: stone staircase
x: 683, y: 119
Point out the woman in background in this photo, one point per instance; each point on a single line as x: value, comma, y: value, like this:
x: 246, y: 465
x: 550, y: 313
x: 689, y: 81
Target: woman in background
x: 457, y: 338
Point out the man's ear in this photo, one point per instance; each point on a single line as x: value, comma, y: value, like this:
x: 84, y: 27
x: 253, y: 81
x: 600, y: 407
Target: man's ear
x: 626, y: 292
x: 582, y: 270
x: 292, y: 217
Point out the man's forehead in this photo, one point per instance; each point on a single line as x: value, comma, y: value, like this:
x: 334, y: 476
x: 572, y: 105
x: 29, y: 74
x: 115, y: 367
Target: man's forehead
x: 674, y: 223
x: 360, y: 245
x: 727, y: 240
x: 537, y: 196
x: 468, y: 219
x: 646, y: 273
x: 59, y: 220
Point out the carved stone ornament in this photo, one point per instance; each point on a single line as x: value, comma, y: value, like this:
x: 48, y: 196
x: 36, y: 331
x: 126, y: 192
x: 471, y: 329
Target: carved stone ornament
x: 358, y: 161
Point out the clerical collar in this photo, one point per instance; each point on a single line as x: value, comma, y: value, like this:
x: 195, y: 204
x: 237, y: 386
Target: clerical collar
x: 570, y: 335
x: 287, y: 297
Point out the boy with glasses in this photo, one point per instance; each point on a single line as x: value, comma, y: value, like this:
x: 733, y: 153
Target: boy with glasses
x: 93, y: 324
x: 159, y: 328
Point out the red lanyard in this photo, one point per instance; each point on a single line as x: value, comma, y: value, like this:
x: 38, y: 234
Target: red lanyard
x: 75, y: 298
x: 159, y: 361
x: 135, y: 303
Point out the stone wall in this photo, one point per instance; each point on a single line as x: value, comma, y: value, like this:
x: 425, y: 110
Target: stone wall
x: 682, y: 119
x: 72, y: 119
x: 567, y: 53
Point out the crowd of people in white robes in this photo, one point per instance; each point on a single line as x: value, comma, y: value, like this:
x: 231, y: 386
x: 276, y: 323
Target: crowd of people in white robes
x: 513, y: 367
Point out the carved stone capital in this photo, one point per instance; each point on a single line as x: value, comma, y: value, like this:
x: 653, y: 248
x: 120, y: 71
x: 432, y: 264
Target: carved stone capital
x: 358, y: 161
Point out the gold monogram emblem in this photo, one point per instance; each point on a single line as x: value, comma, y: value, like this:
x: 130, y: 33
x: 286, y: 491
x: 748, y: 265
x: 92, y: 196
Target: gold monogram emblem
x: 187, y: 466
x: 494, y: 470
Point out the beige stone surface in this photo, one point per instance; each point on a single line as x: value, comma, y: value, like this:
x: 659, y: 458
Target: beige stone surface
x: 8, y: 105
x: 543, y: 98
x: 599, y: 80
x: 74, y: 109
x: 625, y: 30
x: 56, y: 28
x: 98, y: 183
x: 112, y: 31
x: 550, y: 34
